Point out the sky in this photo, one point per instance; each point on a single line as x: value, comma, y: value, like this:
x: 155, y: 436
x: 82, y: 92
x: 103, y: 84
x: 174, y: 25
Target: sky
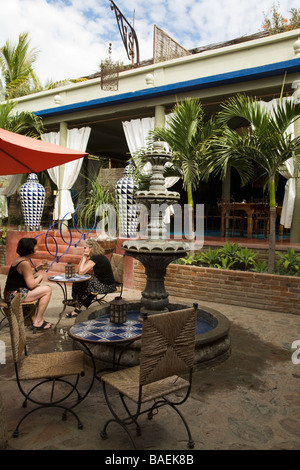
x: 73, y: 36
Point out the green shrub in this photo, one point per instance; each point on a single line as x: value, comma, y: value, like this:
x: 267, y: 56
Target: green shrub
x: 260, y: 267
x: 245, y: 258
x: 289, y: 263
x: 236, y: 257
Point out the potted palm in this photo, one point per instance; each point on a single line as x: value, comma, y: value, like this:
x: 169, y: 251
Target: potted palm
x: 93, y: 211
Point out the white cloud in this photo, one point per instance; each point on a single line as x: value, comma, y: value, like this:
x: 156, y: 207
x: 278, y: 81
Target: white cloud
x: 73, y: 35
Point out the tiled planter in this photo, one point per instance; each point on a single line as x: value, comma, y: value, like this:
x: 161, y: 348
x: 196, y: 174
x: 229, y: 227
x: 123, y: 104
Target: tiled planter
x: 247, y: 289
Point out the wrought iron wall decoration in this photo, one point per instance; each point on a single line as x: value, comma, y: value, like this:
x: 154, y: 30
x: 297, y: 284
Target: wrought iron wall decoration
x: 128, y: 35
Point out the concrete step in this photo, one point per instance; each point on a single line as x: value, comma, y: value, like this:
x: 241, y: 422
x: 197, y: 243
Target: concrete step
x: 66, y: 258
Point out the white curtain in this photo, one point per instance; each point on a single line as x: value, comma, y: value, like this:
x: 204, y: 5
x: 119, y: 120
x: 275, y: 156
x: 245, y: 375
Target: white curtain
x: 77, y: 139
x: 289, y: 195
x: 136, y: 132
x: 13, y: 182
x: 288, y: 173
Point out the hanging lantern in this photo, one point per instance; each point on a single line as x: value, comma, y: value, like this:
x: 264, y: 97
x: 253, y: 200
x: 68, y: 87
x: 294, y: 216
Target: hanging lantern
x: 69, y: 270
x: 118, y: 310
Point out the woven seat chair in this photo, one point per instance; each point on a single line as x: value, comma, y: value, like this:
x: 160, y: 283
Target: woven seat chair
x: 167, y: 349
x: 29, y: 309
x: 117, y: 265
x: 2, y: 305
x: 48, y: 368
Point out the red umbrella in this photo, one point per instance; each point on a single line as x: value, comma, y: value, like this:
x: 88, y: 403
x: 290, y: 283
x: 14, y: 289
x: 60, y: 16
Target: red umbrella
x: 21, y: 154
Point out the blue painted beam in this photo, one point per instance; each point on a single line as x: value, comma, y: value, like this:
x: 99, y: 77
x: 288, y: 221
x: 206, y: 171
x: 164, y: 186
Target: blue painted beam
x: 255, y: 73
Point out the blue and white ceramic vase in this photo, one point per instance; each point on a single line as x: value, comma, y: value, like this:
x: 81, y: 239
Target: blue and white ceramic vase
x: 128, y: 213
x: 32, y: 196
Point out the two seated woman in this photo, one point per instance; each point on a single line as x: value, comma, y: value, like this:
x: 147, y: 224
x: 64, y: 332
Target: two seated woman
x: 24, y: 279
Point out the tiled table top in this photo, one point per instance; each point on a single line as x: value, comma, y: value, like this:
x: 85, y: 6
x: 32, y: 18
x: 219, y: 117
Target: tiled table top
x: 102, y: 330
x: 75, y: 278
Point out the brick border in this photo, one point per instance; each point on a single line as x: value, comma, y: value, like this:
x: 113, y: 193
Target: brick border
x: 247, y: 289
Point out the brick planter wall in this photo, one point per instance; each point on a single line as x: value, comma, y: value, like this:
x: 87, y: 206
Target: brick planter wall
x: 247, y: 289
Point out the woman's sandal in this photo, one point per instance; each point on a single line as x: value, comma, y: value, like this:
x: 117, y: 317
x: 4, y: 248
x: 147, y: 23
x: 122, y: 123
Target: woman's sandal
x: 43, y: 326
x: 73, y: 314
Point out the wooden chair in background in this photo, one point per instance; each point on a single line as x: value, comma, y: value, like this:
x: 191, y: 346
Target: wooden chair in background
x: 117, y: 263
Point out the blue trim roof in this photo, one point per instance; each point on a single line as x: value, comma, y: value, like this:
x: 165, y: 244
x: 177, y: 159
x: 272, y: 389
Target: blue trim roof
x: 255, y: 73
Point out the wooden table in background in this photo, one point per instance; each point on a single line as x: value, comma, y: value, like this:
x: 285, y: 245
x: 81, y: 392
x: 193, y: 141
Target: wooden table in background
x: 249, y: 208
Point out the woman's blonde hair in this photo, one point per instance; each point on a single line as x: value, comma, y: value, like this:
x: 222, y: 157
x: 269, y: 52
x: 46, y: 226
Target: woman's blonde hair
x: 95, y: 247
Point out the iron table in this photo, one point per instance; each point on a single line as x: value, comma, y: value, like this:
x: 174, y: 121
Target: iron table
x: 62, y: 281
x: 102, y: 331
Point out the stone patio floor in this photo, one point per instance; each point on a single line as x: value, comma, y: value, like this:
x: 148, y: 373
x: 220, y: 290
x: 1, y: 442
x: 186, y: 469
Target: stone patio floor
x: 249, y: 402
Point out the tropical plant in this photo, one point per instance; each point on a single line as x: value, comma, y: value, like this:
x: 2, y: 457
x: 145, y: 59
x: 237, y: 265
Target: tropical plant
x: 289, y: 262
x: 20, y: 123
x: 234, y: 257
x: 230, y: 250
x: 90, y: 202
x: 16, y: 63
x: 225, y: 263
x: 264, y: 141
x: 188, y: 260
x: 210, y: 258
x: 245, y: 258
x: 259, y: 267
x: 188, y: 137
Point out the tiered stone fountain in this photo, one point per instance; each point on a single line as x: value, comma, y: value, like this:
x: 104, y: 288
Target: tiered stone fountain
x: 156, y: 252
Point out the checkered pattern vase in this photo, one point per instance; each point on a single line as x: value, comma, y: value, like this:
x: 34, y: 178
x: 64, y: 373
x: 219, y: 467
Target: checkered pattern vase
x: 32, y: 196
x: 128, y: 213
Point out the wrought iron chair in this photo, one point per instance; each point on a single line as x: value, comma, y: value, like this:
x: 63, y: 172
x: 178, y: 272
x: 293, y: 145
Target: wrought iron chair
x: 117, y: 264
x: 47, y: 368
x: 167, y: 349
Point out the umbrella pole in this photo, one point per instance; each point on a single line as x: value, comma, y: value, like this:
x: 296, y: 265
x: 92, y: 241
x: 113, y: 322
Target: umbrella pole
x: 63, y: 135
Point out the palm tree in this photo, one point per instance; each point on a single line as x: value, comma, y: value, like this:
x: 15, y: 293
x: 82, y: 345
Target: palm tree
x: 188, y: 137
x: 16, y: 64
x: 264, y: 142
x: 20, y: 123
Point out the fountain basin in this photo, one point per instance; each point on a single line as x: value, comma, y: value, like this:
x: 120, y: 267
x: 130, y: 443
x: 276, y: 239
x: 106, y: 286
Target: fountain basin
x: 212, y: 343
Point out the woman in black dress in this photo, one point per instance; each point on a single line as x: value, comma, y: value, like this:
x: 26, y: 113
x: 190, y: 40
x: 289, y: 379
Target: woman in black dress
x: 102, y: 280
x: 24, y: 280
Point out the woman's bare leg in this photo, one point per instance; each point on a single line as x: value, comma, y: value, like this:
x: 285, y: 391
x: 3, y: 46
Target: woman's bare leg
x: 42, y: 294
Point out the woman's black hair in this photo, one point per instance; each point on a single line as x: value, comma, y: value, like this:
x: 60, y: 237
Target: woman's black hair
x: 26, y: 246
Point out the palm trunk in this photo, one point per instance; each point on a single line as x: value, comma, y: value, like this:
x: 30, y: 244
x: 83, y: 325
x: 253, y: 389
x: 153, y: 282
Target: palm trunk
x: 191, y: 234
x: 272, y: 236
x: 191, y: 214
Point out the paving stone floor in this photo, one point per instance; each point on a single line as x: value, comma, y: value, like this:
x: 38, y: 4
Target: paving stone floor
x: 249, y: 402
